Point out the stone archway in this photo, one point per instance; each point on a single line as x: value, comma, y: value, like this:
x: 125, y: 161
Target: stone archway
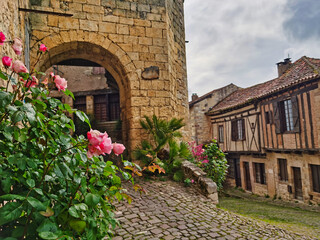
x: 109, y: 56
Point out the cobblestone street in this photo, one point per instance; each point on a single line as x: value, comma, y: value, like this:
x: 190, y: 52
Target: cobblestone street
x: 171, y: 211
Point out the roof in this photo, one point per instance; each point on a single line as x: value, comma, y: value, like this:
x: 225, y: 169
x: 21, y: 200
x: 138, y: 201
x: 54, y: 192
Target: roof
x: 208, y: 95
x: 302, y: 70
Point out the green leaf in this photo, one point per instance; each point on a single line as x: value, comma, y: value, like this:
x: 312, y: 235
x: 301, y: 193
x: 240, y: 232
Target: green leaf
x: 92, y: 199
x: 18, y: 116
x: 31, y: 183
x: 78, y: 225
x: 9, y: 197
x: 81, y: 206
x: 9, y: 212
x: 48, y: 235
x: 6, y: 185
x: 39, y: 191
x: 48, y: 213
x: 73, y: 212
x: 69, y: 93
x: 47, y: 226
x: 3, y: 76
x: 36, y: 204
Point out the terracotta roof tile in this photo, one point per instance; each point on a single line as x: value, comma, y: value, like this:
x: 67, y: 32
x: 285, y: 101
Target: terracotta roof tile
x: 302, y: 70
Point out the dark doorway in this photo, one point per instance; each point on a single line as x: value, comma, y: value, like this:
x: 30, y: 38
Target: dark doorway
x: 297, y: 183
x: 237, y: 174
x: 247, y: 176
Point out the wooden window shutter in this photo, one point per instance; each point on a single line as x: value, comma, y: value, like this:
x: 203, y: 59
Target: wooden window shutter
x: 243, y: 129
x: 295, y: 114
x: 276, y: 117
x: 234, y: 132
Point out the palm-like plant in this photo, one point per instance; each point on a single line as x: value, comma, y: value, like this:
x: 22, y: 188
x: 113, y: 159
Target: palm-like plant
x: 162, y: 131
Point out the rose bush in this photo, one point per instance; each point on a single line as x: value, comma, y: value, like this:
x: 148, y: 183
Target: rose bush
x: 52, y: 185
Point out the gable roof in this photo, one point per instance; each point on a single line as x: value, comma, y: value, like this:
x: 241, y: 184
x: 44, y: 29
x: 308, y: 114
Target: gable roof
x: 209, y: 94
x: 302, y: 70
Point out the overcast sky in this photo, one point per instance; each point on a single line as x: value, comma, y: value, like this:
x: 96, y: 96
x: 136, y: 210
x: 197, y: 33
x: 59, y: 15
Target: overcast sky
x: 240, y: 41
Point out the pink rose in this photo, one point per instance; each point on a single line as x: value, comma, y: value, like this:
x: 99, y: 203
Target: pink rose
x: 43, y: 48
x: 99, y: 143
x: 205, y: 161
x: 31, y: 83
x: 95, y: 137
x: 2, y: 38
x: 19, y: 67
x: 60, y: 82
x: 118, y: 148
x: 6, y: 61
x: 17, y: 46
x: 106, y: 145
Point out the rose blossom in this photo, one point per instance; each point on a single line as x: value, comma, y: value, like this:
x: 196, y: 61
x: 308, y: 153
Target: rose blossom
x: 118, y: 148
x: 17, y: 46
x: 2, y: 38
x: 60, y: 82
x: 106, y: 145
x: 19, y: 67
x: 31, y: 83
x: 99, y: 143
x: 43, y: 48
x: 6, y: 61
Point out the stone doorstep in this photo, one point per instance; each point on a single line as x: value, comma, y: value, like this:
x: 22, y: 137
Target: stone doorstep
x: 204, y: 184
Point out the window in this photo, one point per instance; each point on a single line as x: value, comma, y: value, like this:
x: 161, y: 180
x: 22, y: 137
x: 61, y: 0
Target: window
x: 260, y: 173
x: 283, y: 170
x: 237, y: 130
x: 286, y: 116
x: 114, y: 107
x: 80, y: 103
x: 268, y: 117
x: 221, y: 139
x: 107, y: 107
x: 100, y: 107
x: 315, y: 173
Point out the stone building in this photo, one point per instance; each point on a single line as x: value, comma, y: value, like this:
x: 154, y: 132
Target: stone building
x: 271, y: 133
x: 199, y: 123
x: 140, y: 43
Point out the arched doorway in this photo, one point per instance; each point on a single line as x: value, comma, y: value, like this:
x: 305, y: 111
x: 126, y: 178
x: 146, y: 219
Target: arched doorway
x: 96, y: 93
x: 85, y: 54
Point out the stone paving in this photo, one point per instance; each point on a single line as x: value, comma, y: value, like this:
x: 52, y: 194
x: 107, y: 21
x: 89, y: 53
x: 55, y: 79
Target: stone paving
x: 171, y: 211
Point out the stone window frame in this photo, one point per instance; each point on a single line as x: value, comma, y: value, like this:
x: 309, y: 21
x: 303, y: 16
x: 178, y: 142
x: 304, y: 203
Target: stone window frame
x: 315, y: 177
x: 260, y: 173
x: 283, y: 169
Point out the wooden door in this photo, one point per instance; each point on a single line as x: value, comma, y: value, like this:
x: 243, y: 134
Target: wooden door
x: 297, y: 183
x: 247, y: 176
x: 237, y: 173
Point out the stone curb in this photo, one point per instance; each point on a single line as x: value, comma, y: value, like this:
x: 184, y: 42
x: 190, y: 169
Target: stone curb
x: 205, y: 184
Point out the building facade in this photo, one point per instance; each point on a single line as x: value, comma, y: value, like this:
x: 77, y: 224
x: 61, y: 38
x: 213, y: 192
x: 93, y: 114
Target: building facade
x: 200, y: 127
x: 141, y: 43
x: 270, y: 133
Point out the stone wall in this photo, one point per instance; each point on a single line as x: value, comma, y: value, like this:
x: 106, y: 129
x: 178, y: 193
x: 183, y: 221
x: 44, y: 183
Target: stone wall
x: 12, y: 24
x: 126, y: 38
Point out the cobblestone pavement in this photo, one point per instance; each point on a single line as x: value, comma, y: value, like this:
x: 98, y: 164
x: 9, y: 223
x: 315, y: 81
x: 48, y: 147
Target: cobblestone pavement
x: 171, y: 211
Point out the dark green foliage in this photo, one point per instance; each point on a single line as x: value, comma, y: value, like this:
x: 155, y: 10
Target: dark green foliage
x: 217, y: 165
x: 49, y: 189
x: 162, y: 148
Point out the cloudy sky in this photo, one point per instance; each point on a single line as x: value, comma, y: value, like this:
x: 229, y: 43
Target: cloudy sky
x: 240, y: 41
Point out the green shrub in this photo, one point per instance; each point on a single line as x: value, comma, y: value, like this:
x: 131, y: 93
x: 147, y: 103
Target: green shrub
x: 216, y: 164
x: 50, y: 188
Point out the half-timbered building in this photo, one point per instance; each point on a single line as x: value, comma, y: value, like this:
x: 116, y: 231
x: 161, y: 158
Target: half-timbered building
x: 271, y: 133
